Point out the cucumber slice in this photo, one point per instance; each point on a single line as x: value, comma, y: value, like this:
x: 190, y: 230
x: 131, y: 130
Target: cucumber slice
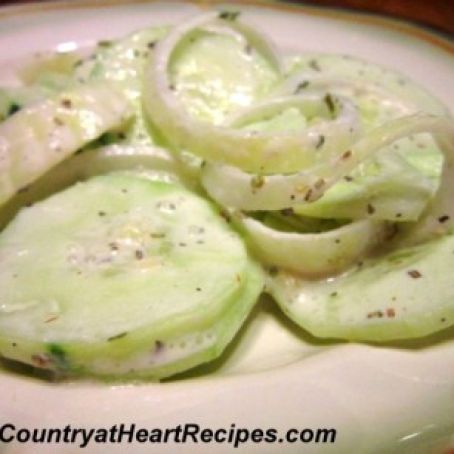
x: 38, y: 137
x: 121, y: 63
x: 50, y: 70
x: 149, y: 161
x: 134, y: 268
x: 217, y: 72
x: 406, y: 294
x: 355, y: 69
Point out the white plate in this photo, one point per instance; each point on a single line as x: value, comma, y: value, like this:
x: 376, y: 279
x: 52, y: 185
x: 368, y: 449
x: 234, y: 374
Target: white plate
x: 398, y: 398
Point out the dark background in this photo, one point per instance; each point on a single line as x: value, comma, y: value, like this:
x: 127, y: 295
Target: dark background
x: 438, y: 14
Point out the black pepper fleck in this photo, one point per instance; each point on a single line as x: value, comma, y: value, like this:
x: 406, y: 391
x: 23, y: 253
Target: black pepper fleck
x: 158, y: 346
x: 313, y: 64
x: 66, y: 103
x: 116, y: 337
x: 415, y: 274
x: 257, y: 181
x: 157, y: 235
x: 113, y: 246
x: 287, y: 212
x: 320, y: 142
x: 375, y: 314
x: 301, y: 86
x: 370, y: 208
x: 24, y: 189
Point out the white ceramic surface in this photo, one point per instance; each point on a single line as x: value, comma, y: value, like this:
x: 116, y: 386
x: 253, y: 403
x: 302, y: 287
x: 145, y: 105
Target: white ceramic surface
x: 395, y: 398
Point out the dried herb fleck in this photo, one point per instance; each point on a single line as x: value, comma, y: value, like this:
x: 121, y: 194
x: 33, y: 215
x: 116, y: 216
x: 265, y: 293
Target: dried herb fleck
x: 329, y: 101
x: 13, y: 108
x: 301, y: 86
x: 105, y: 43
x: 58, y: 356
x: 229, y: 15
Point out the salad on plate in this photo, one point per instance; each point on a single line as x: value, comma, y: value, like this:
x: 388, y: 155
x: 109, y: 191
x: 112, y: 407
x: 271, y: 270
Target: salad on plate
x: 152, y: 190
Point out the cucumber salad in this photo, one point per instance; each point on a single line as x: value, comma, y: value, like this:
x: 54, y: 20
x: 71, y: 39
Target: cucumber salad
x: 152, y: 190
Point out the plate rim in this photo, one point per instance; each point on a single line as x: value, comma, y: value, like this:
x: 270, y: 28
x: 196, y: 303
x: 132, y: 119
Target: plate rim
x: 405, y: 26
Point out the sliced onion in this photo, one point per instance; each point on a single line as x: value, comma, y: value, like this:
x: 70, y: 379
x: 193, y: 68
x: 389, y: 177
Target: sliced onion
x: 312, y: 254
x: 397, y: 192
x: 248, y: 150
x: 338, y: 130
x: 275, y: 192
x: 439, y: 217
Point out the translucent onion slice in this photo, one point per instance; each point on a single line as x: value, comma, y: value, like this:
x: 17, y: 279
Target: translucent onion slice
x: 438, y: 219
x: 39, y: 136
x: 335, y: 126
x: 311, y: 254
x: 248, y: 150
x: 275, y: 192
x: 396, y: 190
